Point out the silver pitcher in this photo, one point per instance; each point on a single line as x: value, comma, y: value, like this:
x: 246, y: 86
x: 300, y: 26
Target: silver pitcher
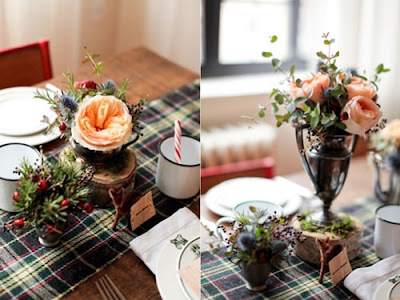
x: 390, y: 195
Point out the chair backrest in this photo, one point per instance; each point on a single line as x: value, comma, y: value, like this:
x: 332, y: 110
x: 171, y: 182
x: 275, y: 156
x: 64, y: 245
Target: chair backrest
x: 212, y: 176
x: 25, y: 65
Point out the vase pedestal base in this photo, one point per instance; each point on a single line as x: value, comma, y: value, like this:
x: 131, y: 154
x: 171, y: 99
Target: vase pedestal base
x: 308, y: 250
x: 116, y: 173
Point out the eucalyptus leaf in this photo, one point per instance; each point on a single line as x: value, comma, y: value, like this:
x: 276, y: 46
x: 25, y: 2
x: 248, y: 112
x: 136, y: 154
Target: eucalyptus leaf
x: 267, y: 54
x: 273, y: 39
x: 291, y: 107
x: 276, y: 63
x: 279, y: 99
x: 322, y: 55
x: 314, y: 122
x: 292, y: 69
x: 275, y: 108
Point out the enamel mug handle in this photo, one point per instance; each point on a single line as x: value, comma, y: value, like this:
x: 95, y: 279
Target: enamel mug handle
x: 217, y: 229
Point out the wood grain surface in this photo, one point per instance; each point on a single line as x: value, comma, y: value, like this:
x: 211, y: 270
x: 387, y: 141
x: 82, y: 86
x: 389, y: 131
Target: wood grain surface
x: 152, y: 75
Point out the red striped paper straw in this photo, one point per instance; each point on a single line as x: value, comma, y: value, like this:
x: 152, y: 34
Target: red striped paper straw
x: 178, y: 134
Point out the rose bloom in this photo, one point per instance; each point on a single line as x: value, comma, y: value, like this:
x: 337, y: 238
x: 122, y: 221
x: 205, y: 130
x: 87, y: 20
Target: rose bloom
x: 360, y: 87
x: 102, y: 123
x: 319, y: 82
x: 392, y: 132
x: 360, y: 114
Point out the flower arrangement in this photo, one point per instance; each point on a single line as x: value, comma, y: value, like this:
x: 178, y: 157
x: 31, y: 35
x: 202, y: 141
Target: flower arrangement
x: 330, y: 101
x: 97, y: 116
x: 387, y: 145
x: 258, y: 238
x: 47, y: 192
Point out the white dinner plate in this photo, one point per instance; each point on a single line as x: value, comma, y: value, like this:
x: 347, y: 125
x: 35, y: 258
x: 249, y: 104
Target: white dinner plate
x: 389, y: 289
x: 21, y: 114
x: 32, y: 140
x: 231, y: 192
x: 167, y: 281
x: 189, y: 253
x: 294, y: 195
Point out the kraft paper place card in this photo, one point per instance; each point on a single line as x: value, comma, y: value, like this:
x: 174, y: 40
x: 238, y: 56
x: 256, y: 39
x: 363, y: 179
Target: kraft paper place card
x: 339, y: 267
x: 142, y: 210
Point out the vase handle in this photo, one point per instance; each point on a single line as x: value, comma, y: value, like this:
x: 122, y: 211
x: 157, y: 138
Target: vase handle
x: 300, y: 146
x: 131, y: 142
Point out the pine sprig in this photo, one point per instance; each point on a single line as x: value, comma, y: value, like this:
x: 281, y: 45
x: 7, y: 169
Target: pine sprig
x: 48, y: 191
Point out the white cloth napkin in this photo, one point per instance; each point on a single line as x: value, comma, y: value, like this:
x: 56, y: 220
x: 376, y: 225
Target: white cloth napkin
x: 363, y: 282
x: 148, y: 246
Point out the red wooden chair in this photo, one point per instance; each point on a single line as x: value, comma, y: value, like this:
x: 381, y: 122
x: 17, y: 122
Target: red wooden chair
x: 251, y: 168
x: 25, y: 65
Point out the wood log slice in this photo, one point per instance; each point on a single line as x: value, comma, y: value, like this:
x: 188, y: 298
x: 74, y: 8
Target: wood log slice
x: 308, y: 250
x: 116, y: 173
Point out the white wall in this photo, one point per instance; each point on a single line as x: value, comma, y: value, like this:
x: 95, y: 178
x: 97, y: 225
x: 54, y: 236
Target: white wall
x: 170, y: 28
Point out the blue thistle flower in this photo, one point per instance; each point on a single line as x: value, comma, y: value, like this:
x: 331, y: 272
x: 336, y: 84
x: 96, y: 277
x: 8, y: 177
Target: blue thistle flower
x: 246, y: 241
x: 68, y: 102
x: 109, y: 85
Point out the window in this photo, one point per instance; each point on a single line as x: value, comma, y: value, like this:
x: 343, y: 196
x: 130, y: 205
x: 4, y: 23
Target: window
x: 236, y: 32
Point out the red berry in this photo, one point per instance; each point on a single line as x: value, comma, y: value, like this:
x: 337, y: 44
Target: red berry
x: 344, y: 116
x: 34, y: 177
x: 42, y: 185
x: 81, y: 204
x: 88, y: 208
x: 77, y: 85
x: 89, y: 84
x: 50, y: 228
x: 65, y: 202
x: 19, y: 222
x: 15, y: 196
x: 62, y: 127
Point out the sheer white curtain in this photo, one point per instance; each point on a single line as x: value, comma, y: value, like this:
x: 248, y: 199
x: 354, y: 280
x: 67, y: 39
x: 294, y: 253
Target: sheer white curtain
x: 170, y: 28
x: 366, y: 34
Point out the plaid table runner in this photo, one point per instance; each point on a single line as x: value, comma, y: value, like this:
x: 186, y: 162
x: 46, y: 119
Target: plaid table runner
x: 30, y: 271
x: 295, y: 279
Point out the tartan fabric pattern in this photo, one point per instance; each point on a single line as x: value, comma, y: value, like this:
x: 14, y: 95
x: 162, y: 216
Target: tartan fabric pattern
x: 295, y: 279
x: 30, y: 271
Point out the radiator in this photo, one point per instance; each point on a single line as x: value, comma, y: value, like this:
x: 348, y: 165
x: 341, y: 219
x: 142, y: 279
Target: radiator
x: 236, y: 143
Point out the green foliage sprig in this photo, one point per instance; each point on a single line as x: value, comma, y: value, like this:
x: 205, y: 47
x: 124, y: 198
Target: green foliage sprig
x: 48, y: 191
x: 259, y: 236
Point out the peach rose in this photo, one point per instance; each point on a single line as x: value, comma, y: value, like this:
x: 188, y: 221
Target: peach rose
x: 360, y: 87
x: 360, y: 114
x: 319, y: 82
x: 102, y: 123
x: 392, y: 132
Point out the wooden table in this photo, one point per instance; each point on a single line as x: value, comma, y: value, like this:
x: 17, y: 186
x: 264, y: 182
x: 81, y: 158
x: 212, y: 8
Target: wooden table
x: 359, y: 183
x: 151, y: 75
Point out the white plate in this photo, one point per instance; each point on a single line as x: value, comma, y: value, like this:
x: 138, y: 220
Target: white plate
x: 21, y: 113
x: 167, y: 281
x: 32, y: 140
x: 278, y: 184
x: 231, y: 192
x: 187, y: 256
x: 390, y: 288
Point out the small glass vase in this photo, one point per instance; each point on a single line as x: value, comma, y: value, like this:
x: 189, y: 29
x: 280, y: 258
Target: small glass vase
x: 255, y: 275
x: 49, y: 239
x: 391, y: 163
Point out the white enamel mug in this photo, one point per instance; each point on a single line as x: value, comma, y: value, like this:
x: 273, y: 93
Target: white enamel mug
x: 387, y: 230
x: 11, y: 156
x: 179, y: 181
x: 244, y: 208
